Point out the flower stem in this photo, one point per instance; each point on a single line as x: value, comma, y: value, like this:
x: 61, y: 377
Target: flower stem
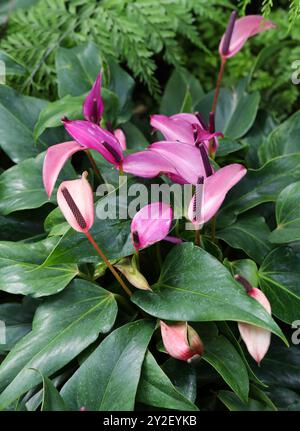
x: 94, y: 166
x: 107, y: 262
x: 197, y: 236
x: 218, y: 86
x: 213, y: 228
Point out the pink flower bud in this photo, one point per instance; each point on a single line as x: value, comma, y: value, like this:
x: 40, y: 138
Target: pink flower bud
x: 93, y: 105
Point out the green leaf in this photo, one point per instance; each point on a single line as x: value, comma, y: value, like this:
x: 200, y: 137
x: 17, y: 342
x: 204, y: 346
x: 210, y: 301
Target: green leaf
x: 134, y: 137
x: 18, y: 321
x: 52, y: 114
x: 247, y: 268
x: 52, y: 400
x: 280, y: 367
x: 21, y: 187
x: 194, y: 286
x: 64, y: 325
x: 260, y: 186
x: 228, y: 146
x: 183, y: 377
x: 179, y: 83
x: 221, y: 354
x: 12, y: 67
x: 287, y: 215
x: 77, y: 69
x: 19, y: 226
x: 156, y: 389
x: 233, y: 403
x: 250, y: 234
x: 18, y: 115
x: 235, y: 112
x: 108, y: 379
x: 279, y: 279
x: 21, y: 273
x: 284, y: 139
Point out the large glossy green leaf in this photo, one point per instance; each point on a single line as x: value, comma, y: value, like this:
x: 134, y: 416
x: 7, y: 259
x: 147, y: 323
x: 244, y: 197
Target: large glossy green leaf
x: 52, y: 400
x: 183, y: 377
x: 284, y: 139
x: 109, y: 378
x: 19, y: 226
x: 194, y: 286
x: 279, y: 279
x: 287, y: 215
x: 64, y: 325
x: 179, y: 83
x: 233, y: 403
x: 77, y: 69
x: 260, y: 186
x: 235, y: 111
x: 17, y: 318
x: 18, y: 115
x: 250, y: 234
x: 156, y: 389
x: 21, y: 273
x: 280, y: 367
x: 221, y: 354
x: 21, y: 187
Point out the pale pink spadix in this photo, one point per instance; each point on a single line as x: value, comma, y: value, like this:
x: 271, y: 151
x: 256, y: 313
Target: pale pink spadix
x: 181, y: 341
x: 76, y: 202
x: 241, y: 30
x: 256, y: 339
x: 151, y: 224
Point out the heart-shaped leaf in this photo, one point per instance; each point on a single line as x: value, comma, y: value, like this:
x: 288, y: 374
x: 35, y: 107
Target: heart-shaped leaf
x: 194, y: 286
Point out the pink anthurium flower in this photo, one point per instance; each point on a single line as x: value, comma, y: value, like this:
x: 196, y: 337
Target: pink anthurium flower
x: 212, y: 191
x: 239, y: 31
x: 93, y: 105
x: 181, y: 341
x: 92, y: 136
x: 120, y: 135
x: 76, y: 202
x: 147, y: 164
x: 186, y: 159
x: 256, y: 339
x: 187, y: 128
x: 151, y: 224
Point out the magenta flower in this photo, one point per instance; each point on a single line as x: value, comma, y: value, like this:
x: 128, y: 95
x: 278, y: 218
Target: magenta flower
x: 75, y: 200
x: 187, y: 128
x: 151, y: 224
x: 212, y: 191
x: 181, y: 341
x: 256, y: 339
x: 93, y: 105
x: 120, y: 135
x: 239, y: 31
x: 147, y: 164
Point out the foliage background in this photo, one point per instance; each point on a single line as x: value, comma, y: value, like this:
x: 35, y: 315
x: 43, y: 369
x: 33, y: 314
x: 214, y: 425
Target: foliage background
x: 172, y: 54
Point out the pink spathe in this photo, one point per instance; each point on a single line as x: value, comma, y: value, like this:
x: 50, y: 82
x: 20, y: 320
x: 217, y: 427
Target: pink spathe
x: 93, y: 105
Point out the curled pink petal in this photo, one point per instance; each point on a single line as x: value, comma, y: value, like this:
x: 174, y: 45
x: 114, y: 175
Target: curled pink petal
x: 181, y: 341
x: 256, y: 339
x: 93, y: 105
x: 178, y: 130
x: 55, y: 158
x: 244, y: 28
x: 92, y: 136
x: 151, y: 224
x: 147, y: 164
x: 120, y: 135
x: 214, y: 192
x: 75, y: 200
x: 185, y: 158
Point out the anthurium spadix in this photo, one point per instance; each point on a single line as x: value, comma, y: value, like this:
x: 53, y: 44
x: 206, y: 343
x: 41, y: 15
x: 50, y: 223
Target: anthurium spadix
x: 181, y: 341
x: 256, y: 339
x: 93, y: 105
x: 213, y: 190
x: 75, y: 200
x: 151, y: 224
x: 239, y: 31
